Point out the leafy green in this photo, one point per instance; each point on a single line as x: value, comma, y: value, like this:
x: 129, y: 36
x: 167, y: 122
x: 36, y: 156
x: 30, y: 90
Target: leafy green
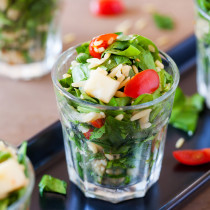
x: 124, y: 101
x: 80, y: 72
x: 144, y: 60
x: 117, y: 131
x: 88, y: 98
x: 22, y: 156
x: 51, y: 184
x: 98, y: 133
x: 4, y: 156
x: 122, y: 60
x: 131, y: 51
x: 82, y: 57
x: 185, y: 111
x: 83, y: 48
x: 4, y: 204
x: 78, y: 163
x: 66, y: 82
x: 144, y: 42
x: 163, y: 21
x: 143, y: 99
x: 204, y: 4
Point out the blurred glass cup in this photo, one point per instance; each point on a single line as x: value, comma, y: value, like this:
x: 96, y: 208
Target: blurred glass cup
x: 30, y: 37
x: 24, y: 200
x: 202, y: 31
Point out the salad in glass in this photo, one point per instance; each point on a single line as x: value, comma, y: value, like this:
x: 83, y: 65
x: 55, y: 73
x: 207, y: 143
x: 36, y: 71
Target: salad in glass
x: 28, y: 35
x: 202, y: 31
x: 115, y: 94
x: 16, y: 178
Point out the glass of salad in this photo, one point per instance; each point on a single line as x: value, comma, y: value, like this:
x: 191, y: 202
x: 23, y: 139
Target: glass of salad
x: 115, y: 95
x: 202, y: 31
x: 16, y: 178
x: 29, y: 37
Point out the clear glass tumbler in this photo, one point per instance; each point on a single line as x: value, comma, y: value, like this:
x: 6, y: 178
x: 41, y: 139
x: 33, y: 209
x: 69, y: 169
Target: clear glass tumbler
x: 24, y: 202
x: 202, y: 31
x: 30, y: 38
x: 123, y: 160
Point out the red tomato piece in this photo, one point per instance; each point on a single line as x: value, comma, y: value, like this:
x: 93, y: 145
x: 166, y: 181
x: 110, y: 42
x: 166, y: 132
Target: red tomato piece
x: 192, y: 157
x: 88, y: 134
x: 146, y: 81
x: 106, y: 7
x: 100, y: 43
x: 98, y: 123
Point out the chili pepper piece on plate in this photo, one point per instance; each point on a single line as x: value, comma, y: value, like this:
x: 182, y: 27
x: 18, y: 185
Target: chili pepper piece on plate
x: 192, y: 157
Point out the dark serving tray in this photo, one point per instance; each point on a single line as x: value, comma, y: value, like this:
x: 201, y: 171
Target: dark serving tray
x: 177, y: 182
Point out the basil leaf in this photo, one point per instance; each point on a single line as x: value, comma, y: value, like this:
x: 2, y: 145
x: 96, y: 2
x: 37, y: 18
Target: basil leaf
x: 66, y: 82
x: 51, y: 184
x: 124, y: 101
x: 4, y: 156
x: 185, y: 111
x: 143, y: 99
x: 80, y: 72
x: 82, y: 57
x: 83, y: 48
x: 98, y: 133
x: 144, y: 42
x: 145, y: 59
x: 131, y: 51
x: 163, y: 21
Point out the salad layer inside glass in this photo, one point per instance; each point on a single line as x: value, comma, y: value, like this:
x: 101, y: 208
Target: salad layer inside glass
x: 13, y: 175
x: 118, y: 144
x: 25, y: 27
x: 202, y: 31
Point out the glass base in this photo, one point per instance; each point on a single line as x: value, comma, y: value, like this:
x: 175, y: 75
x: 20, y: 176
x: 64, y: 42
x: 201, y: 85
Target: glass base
x: 117, y: 195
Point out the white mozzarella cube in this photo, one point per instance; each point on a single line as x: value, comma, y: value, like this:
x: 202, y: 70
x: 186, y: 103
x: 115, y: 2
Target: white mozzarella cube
x: 101, y: 86
x: 12, y: 177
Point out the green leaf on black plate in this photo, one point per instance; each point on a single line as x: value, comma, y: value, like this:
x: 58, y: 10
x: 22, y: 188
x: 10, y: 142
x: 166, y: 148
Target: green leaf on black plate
x: 185, y: 111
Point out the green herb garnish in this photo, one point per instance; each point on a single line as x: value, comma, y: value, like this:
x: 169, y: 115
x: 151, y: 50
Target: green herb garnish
x: 163, y: 21
x: 185, y: 111
x: 51, y: 184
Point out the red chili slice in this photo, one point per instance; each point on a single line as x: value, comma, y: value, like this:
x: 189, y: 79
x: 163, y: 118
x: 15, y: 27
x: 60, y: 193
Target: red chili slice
x: 146, y: 81
x: 106, y: 7
x: 88, y: 134
x: 100, y: 43
x: 98, y: 123
x: 192, y: 157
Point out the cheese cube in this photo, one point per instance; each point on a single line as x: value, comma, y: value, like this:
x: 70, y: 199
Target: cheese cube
x: 101, y: 86
x: 12, y: 177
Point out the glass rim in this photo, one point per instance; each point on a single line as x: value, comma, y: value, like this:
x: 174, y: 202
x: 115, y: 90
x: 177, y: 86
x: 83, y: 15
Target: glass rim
x: 61, y: 60
x: 29, y: 187
x: 203, y: 13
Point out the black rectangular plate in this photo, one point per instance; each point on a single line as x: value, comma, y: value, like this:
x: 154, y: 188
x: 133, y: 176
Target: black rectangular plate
x: 177, y: 182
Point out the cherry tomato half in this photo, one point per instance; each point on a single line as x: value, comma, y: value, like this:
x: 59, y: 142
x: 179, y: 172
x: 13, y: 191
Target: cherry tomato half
x: 100, y: 43
x: 146, y: 81
x: 98, y: 123
x: 192, y: 157
x: 106, y: 7
x: 88, y: 134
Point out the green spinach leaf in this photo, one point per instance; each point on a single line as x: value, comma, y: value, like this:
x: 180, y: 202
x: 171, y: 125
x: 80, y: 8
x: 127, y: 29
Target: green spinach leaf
x: 163, y: 21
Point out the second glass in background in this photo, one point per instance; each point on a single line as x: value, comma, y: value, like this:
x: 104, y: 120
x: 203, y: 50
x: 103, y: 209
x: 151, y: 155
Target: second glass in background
x: 202, y: 32
x: 30, y: 37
